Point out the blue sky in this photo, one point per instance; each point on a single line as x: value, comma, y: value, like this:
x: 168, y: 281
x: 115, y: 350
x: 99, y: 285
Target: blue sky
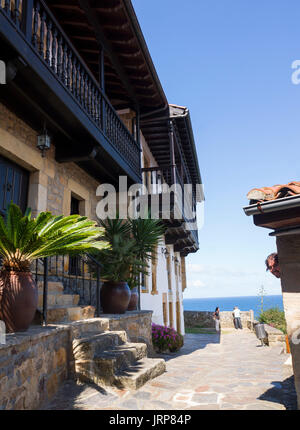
x: 230, y: 62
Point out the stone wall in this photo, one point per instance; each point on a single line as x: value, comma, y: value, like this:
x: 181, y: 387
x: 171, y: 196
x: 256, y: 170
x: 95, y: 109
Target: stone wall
x: 274, y: 337
x: 51, y: 184
x: 137, y: 325
x: 205, y: 319
x: 33, y: 364
x: 198, y: 319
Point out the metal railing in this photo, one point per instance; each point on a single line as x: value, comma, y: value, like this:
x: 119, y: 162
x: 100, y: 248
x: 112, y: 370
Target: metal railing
x: 82, y: 278
x: 34, y: 21
x: 155, y: 177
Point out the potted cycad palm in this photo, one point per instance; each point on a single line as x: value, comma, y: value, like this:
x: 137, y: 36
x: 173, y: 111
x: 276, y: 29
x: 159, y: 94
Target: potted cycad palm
x: 117, y: 262
x: 146, y: 233
x: 24, y: 239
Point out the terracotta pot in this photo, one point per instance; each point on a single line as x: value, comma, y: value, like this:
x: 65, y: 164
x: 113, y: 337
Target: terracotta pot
x: 134, y: 299
x: 115, y: 297
x: 18, y: 300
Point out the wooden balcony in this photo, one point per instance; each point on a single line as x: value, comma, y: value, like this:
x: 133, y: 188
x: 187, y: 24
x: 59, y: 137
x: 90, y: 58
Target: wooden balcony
x: 180, y: 218
x: 54, y: 84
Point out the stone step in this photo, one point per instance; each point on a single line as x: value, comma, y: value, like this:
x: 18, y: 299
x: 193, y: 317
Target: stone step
x: 61, y: 314
x: 58, y: 299
x: 136, y: 375
x: 89, y: 345
x: 107, y: 359
x: 117, y: 358
x: 102, y: 369
x: 53, y: 287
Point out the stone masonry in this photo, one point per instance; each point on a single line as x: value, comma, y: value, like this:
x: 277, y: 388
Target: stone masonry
x: 35, y: 363
x: 51, y: 184
x: 288, y: 247
x: 205, y: 319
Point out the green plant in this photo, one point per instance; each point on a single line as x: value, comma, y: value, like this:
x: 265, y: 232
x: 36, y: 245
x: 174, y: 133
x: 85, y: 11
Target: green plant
x: 275, y: 318
x: 166, y: 338
x: 146, y: 233
x: 132, y: 244
x: 24, y: 239
x: 262, y: 293
x: 120, y: 260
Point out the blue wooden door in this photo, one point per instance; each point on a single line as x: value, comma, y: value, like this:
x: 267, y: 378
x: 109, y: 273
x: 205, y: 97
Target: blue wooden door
x: 13, y: 185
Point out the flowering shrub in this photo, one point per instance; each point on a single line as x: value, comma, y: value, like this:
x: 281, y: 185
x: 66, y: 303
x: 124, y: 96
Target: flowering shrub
x: 166, y: 338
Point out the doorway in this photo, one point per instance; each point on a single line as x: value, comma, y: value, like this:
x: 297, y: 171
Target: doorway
x: 74, y: 262
x: 14, y: 182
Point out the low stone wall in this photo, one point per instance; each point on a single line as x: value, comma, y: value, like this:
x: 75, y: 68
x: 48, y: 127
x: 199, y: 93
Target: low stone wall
x: 205, y: 319
x: 194, y: 319
x: 226, y: 318
x: 33, y: 364
x: 274, y: 337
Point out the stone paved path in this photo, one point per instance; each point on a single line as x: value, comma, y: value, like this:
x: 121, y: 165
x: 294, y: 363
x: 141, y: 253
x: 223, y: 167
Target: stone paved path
x: 210, y: 372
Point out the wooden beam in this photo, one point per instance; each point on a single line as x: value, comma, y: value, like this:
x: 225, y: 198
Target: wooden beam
x: 84, y: 4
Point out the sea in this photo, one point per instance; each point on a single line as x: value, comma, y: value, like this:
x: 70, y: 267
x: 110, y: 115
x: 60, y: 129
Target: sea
x: 245, y: 303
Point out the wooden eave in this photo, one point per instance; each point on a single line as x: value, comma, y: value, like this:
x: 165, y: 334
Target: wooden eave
x: 130, y: 77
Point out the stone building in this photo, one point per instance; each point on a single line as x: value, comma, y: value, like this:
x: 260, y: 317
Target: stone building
x: 278, y: 208
x: 81, y: 74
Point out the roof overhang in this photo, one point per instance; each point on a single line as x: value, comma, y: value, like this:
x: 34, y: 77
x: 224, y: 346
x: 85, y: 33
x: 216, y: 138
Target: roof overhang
x: 276, y: 214
x: 130, y: 76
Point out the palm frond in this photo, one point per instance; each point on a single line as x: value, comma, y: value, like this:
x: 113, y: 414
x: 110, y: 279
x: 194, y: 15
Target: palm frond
x: 23, y: 239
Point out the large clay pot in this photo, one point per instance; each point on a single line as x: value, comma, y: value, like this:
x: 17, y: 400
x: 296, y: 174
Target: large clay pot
x: 18, y: 300
x: 134, y: 299
x: 115, y: 297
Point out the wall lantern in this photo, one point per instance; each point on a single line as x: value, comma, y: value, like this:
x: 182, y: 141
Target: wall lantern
x: 44, y: 141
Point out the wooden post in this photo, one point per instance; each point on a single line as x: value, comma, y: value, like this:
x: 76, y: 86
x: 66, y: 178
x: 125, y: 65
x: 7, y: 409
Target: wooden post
x: 172, y: 152
x: 27, y: 8
x: 102, y: 86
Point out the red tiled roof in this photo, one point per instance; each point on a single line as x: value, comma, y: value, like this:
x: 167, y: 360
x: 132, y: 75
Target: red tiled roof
x: 275, y: 192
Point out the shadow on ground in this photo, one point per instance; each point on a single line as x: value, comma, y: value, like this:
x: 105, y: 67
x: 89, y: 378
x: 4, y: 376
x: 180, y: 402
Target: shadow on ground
x: 282, y: 392
x: 193, y: 342
x: 73, y: 395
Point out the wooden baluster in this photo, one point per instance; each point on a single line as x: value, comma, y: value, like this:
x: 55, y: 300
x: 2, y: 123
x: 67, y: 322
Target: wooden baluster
x: 85, y: 91
x: 65, y: 64
x: 48, y: 41
x: 98, y: 107
x: 35, y: 24
x: 90, y: 110
x: 17, y: 13
x: 81, y: 95
x: 81, y: 87
x: 69, y: 69
x: 93, y: 101
x: 54, y: 43
x: 74, y: 75
x: 78, y: 81
x: 7, y: 7
x: 42, y: 33
x: 59, y: 57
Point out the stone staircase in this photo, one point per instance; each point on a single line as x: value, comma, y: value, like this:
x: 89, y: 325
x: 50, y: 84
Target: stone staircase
x: 108, y: 359
x: 62, y: 307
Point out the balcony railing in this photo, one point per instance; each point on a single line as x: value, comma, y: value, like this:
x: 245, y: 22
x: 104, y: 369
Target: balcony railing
x: 154, y: 179
x: 34, y: 21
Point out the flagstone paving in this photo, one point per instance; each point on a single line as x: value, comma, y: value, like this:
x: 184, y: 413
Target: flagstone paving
x: 211, y: 372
